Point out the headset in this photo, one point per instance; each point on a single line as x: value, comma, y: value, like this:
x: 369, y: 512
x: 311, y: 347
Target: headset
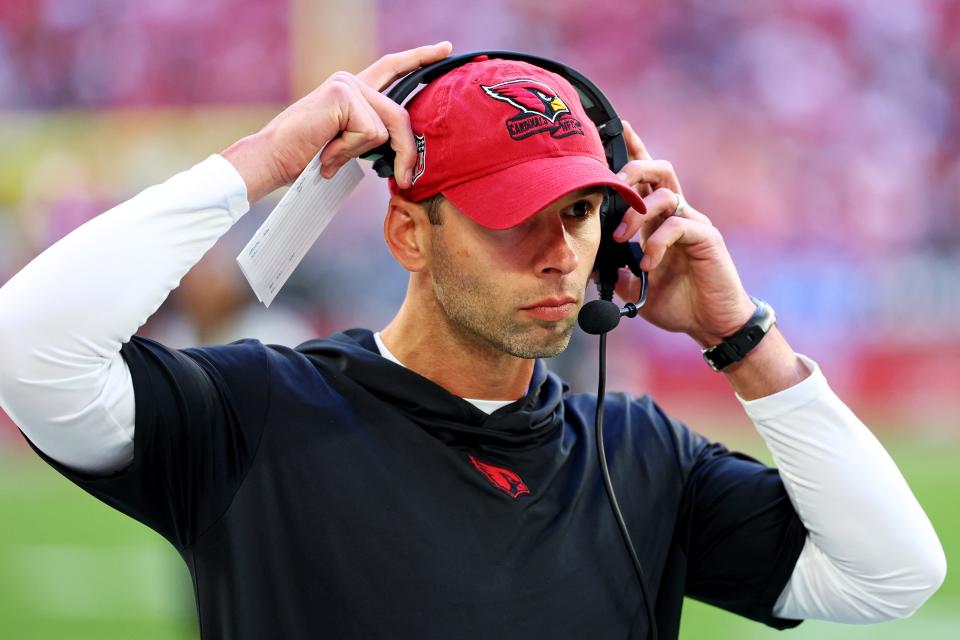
x: 599, y: 316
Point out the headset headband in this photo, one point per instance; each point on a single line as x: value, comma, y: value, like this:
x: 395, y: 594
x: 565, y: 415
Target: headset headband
x: 595, y: 104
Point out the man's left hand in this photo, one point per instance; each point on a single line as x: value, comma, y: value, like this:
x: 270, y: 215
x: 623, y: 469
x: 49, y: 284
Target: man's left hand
x: 693, y: 284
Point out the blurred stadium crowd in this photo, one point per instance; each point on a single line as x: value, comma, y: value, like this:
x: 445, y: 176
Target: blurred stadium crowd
x: 820, y: 136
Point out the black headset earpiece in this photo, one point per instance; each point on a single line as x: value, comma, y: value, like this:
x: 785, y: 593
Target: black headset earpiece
x: 611, y: 255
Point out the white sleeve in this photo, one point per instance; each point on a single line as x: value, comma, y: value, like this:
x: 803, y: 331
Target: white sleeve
x: 64, y: 317
x: 871, y: 553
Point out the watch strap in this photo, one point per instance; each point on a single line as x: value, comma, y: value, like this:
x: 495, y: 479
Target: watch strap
x: 736, y: 346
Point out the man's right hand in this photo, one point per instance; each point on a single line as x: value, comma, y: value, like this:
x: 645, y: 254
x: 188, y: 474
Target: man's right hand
x: 345, y: 116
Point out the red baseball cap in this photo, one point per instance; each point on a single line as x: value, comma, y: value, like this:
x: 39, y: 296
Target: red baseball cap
x: 502, y: 139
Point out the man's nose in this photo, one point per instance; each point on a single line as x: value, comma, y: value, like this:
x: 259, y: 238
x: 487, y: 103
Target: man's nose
x: 556, y: 254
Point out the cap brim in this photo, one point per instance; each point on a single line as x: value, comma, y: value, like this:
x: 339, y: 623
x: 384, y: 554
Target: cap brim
x: 506, y: 198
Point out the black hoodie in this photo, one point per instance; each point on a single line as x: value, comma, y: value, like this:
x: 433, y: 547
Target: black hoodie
x: 326, y: 492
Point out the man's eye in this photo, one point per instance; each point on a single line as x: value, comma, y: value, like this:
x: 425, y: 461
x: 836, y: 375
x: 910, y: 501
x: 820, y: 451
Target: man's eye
x: 582, y: 209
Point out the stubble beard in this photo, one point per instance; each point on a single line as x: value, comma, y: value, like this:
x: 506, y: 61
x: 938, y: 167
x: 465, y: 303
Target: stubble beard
x: 472, y: 305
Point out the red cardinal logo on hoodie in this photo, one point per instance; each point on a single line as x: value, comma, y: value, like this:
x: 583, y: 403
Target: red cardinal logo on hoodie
x: 541, y: 109
x: 504, y: 479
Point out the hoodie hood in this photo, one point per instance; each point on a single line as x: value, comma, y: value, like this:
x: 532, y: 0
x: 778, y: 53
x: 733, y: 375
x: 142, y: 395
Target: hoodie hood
x: 525, y: 423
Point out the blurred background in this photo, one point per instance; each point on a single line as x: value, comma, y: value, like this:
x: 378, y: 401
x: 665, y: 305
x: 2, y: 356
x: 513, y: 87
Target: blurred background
x: 821, y: 137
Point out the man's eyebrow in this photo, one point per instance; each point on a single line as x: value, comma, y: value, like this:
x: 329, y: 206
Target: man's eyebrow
x: 588, y: 191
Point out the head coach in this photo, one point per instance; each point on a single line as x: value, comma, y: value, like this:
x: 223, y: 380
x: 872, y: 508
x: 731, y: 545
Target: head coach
x: 434, y: 479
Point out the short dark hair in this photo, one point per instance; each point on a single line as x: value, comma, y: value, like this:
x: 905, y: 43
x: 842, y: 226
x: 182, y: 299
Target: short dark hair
x: 432, y: 205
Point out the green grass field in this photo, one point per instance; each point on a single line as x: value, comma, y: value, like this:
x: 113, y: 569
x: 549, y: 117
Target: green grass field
x: 71, y: 568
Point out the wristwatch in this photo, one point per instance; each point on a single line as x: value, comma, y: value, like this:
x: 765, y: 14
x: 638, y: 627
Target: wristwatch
x: 736, y: 346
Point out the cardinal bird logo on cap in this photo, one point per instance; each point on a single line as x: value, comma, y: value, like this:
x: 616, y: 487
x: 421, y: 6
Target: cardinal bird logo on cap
x: 504, y: 479
x: 542, y: 110
x: 529, y: 96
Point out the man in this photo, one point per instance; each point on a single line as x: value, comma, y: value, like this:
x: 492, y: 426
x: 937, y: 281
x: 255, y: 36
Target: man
x: 433, y: 479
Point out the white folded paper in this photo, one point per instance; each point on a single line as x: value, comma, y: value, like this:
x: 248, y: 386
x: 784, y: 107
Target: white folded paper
x: 293, y: 226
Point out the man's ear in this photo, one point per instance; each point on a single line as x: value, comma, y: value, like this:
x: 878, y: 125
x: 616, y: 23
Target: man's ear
x: 406, y: 230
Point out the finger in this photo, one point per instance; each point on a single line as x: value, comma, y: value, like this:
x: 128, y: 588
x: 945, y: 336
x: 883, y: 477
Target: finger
x: 684, y: 210
x: 628, y: 225
x: 654, y: 173
x: 396, y: 119
x: 692, y: 214
x: 636, y: 150
x: 664, y: 203
x: 649, y: 224
x: 384, y: 71
x: 628, y: 285
x: 660, y: 203
x: 674, y: 231
x: 362, y: 130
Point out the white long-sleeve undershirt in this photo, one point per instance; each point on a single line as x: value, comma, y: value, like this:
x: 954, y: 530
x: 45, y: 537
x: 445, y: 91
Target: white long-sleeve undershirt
x: 871, y: 553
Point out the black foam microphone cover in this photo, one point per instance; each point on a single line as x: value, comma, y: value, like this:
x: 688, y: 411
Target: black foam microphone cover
x: 598, y: 316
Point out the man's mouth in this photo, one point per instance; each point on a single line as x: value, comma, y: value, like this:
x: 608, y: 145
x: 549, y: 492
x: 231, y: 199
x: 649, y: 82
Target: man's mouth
x: 552, y: 308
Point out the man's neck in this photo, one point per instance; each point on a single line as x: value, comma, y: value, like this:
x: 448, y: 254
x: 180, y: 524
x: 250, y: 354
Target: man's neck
x: 464, y: 365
